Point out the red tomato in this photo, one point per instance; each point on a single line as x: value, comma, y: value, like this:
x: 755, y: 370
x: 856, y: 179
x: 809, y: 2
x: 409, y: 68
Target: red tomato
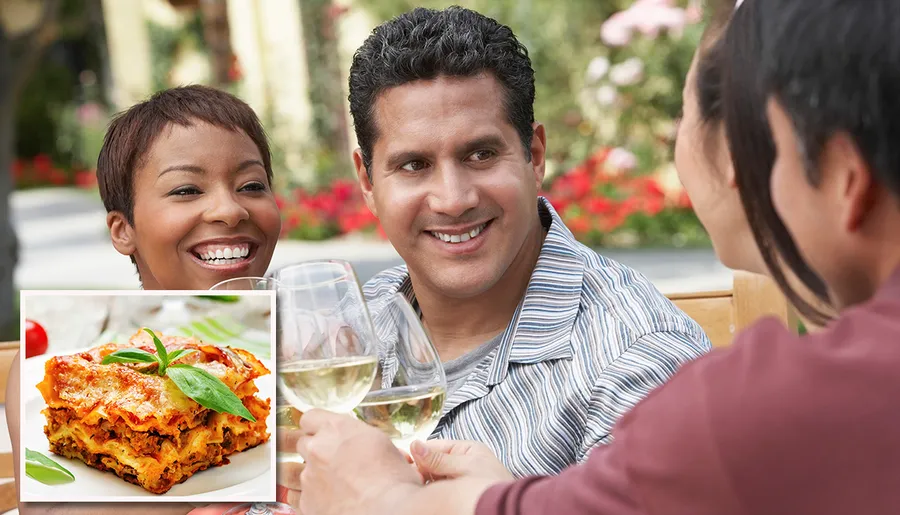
x: 35, y: 339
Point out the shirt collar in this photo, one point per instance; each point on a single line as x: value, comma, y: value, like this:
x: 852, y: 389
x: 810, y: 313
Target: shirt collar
x: 542, y: 325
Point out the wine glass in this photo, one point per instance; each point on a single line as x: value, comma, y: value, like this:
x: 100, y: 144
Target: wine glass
x: 244, y: 284
x: 253, y: 315
x: 261, y: 509
x: 406, y: 400
x: 326, y: 342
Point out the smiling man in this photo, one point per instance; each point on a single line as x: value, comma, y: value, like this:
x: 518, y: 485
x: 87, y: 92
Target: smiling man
x: 545, y: 343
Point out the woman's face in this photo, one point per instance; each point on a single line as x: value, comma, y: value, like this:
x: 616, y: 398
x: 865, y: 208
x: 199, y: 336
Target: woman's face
x: 204, y: 210
x: 704, y: 167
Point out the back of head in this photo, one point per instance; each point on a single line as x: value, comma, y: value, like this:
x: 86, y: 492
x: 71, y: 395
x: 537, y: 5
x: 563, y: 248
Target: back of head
x: 834, y: 66
x: 424, y: 44
x: 742, y: 52
x: 132, y: 134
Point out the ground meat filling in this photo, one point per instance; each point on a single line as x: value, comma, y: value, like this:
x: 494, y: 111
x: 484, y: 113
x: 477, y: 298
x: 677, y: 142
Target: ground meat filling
x: 145, y: 444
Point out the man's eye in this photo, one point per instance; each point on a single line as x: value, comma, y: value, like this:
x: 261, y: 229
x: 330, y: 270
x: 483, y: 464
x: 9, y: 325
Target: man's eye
x: 482, y: 155
x: 414, y: 166
x: 184, y: 191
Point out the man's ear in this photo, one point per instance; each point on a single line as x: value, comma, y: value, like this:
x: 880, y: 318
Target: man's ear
x: 121, y: 232
x: 539, y: 153
x: 365, y: 182
x: 848, y: 176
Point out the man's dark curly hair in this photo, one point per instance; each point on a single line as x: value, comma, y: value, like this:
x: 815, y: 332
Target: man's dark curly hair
x: 424, y: 44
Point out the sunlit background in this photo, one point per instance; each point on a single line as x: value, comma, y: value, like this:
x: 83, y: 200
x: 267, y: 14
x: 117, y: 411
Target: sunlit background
x: 609, y: 75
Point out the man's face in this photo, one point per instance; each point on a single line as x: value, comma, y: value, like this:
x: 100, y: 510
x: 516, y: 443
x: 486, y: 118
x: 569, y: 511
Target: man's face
x: 451, y: 182
x: 808, y: 211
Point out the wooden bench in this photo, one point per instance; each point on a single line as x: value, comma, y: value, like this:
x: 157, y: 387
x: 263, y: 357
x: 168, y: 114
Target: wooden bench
x: 722, y: 314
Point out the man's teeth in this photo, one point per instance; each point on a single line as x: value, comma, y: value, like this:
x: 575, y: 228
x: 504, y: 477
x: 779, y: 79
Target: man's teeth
x: 459, y: 238
x: 225, y: 255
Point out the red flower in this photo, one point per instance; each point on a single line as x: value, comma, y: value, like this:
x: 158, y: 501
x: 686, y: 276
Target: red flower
x: 18, y: 169
x: 235, y: 73
x: 630, y: 206
x: 558, y: 203
x: 600, y: 206
x: 595, y: 161
x: 615, y: 220
x: 43, y: 166
x: 653, y: 206
x: 650, y: 187
x: 684, y: 201
x: 86, y: 178
x: 579, y: 224
x: 342, y: 190
x: 57, y: 177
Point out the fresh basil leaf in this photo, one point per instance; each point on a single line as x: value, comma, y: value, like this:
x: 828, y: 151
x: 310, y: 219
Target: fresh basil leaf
x: 179, y: 353
x: 129, y: 356
x: 43, y: 469
x: 221, y: 298
x: 161, y: 350
x: 208, y: 390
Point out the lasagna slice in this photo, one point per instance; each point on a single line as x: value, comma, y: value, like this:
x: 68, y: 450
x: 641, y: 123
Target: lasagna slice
x: 126, y: 419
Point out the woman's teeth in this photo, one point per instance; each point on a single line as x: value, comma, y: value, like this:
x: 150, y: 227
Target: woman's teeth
x: 225, y: 255
x: 459, y: 238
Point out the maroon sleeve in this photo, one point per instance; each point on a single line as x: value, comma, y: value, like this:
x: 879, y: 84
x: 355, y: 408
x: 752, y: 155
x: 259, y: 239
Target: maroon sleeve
x: 665, y: 457
x: 600, y: 486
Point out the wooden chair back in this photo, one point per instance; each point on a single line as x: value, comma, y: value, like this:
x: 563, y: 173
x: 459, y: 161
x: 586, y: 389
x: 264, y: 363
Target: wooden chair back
x: 8, y: 494
x: 722, y: 314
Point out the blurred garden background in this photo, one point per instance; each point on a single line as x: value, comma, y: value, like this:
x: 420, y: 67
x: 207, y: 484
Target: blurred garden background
x: 609, y: 75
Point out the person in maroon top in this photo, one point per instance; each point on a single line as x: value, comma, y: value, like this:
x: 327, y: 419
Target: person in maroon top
x: 775, y: 424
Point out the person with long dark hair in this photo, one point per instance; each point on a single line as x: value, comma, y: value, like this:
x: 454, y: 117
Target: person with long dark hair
x: 777, y: 423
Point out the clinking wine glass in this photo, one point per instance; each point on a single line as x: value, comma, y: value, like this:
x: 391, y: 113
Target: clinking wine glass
x: 256, y: 316
x: 326, y: 342
x: 244, y: 284
x: 406, y: 400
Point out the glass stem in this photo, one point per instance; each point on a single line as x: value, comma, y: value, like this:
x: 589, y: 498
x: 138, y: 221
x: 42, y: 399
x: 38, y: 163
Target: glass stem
x: 259, y: 509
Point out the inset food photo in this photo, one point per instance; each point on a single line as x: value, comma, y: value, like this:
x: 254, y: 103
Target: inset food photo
x: 148, y: 396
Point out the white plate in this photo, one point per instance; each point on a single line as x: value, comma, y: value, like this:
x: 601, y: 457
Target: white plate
x: 250, y: 477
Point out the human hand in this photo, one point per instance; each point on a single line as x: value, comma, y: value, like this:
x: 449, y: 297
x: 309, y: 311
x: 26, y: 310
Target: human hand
x: 289, y: 485
x: 350, y: 467
x: 451, y: 459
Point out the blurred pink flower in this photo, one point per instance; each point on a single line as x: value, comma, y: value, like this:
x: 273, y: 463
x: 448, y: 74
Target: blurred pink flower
x: 694, y: 12
x: 652, y: 16
x: 627, y: 73
x: 89, y: 113
x: 606, y: 95
x: 620, y: 159
x: 647, y: 16
x: 597, y: 68
x: 616, y: 31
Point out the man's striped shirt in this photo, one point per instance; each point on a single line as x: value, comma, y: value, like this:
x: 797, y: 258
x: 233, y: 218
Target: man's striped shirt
x: 589, y: 340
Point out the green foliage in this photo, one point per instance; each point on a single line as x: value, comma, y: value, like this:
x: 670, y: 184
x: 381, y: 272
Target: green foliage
x: 48, y: 90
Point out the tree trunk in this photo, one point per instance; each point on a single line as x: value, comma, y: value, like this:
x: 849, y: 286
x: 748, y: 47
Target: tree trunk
x: 326, y: 91
x: 217, y: 35
x: 8, y: 241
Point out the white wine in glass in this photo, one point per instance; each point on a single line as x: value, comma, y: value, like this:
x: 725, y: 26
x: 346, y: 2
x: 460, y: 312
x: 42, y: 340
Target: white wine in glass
x: 336, y: 384
x: 407, y: 399
x: 327, y: 353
